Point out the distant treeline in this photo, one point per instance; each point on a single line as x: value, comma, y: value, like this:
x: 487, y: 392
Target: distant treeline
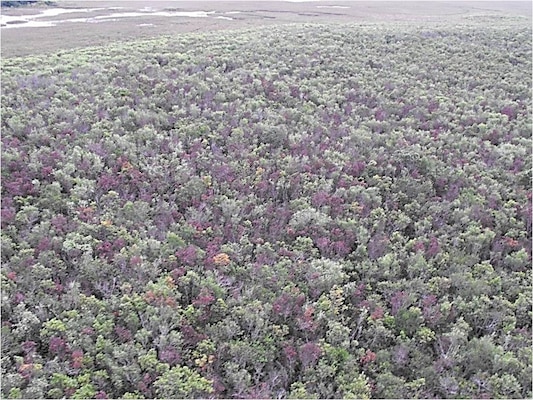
x: 20, y: 3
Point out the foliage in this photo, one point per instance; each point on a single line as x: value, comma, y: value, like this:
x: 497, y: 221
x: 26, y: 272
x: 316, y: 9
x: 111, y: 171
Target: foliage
x: 306, y: 211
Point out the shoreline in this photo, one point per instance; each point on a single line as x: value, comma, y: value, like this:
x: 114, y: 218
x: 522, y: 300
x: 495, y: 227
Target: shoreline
x: 78, y: 29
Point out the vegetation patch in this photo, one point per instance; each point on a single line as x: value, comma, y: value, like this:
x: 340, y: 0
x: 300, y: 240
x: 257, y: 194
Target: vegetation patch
x: 301, y: 211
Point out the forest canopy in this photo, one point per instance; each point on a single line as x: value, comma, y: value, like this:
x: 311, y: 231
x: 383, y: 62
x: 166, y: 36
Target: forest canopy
x: 301, y: 211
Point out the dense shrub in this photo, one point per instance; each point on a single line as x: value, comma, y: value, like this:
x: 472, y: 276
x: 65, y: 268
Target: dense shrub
x: 304, y: 211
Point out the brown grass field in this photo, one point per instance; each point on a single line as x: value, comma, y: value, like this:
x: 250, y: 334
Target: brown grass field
x: 28, y: 41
